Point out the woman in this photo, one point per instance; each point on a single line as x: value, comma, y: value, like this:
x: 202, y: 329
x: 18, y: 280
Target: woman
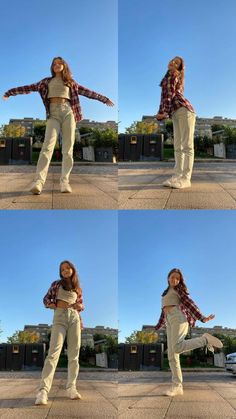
x: 174, y: 105
x: 65, y: 298
x: 60, y: 95
x: 178, y: 312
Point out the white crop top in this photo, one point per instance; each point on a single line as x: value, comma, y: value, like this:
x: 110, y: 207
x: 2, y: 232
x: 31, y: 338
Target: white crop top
x: 57, y: 88
x: 69, y: 296
x: 171, y: 298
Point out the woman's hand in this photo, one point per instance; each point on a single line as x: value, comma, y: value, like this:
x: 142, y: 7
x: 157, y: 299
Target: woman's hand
x: 52, y: 305
x: 161, y: 116
x: 206, y: 319
x: 109, y: 103
x: 5, y: 97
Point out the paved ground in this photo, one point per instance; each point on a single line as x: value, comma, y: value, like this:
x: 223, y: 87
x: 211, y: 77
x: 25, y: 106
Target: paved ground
x: 125, y: 395
x: 94, y: 187
x: 213, y: 186
x: 98, y: 390
x: 206, y: 395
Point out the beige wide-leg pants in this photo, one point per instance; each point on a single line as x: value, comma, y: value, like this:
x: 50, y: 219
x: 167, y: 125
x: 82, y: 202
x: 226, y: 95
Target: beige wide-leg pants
x: 177, y: 329
x: 65, y: 322
x: 61, y: 119
x: 184, y: 125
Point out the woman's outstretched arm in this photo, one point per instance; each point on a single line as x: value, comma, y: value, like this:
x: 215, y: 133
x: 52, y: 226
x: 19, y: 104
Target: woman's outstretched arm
x: 20, y: 90
x: 81, y: 90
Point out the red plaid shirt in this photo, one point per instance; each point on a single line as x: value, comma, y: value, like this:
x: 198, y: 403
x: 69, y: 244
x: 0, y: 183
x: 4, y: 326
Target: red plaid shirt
x: 51, y: 298
x: 172, y: 95
x: 42, y: 88
x: 187, y: 306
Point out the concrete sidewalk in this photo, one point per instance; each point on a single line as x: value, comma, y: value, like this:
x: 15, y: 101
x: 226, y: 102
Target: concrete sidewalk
x: 98, y: 391
x: 206, y: 395
x: 94, y: 187
x: 213, y: 186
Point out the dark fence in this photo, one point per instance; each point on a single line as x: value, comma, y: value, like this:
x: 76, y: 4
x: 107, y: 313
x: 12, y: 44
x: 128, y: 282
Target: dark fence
x: 138, y: 356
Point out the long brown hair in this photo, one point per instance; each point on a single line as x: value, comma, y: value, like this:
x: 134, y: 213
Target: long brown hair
x: 180, y: 74
x: 181, y: 282
x: 74, y: 283
x: 66, y: 73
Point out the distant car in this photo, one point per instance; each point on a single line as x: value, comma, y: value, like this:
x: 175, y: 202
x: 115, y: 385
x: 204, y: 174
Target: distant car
x: 230, y: 363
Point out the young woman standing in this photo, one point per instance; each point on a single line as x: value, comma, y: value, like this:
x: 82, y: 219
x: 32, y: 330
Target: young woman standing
x: 65, y: 298
x: 60, y: 95
x: 174, y: 105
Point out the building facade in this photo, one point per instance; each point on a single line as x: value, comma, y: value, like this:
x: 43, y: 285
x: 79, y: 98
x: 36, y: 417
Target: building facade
x: 203, y: 125
x: 27, y: 123
x: 87, y: 333
x: 195, y: 331
x: 86, y: 123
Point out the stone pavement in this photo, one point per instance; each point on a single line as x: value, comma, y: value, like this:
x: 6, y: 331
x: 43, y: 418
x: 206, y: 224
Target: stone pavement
x: 94, y: 187
x: 206, y: 395
x: 213, y: 186
x: 98, y: 390
x: 125, y: 395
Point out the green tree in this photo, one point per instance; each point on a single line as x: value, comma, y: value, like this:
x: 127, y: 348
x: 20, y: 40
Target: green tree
x: 39, y: 131
x: 142, y: 337
x: 169, y: 127
x: 142, y: 127
x: 216, y: 127
x: 12, y: 130
x: 24, y: 337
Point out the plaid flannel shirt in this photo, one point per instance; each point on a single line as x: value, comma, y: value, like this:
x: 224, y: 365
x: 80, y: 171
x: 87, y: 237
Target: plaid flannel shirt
x: 187, y: 306
x: 172, y: 95
x: 51, y: 298
x: 42, y: 87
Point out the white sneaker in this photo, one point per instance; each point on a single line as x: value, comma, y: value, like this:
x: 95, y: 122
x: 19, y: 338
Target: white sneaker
x: 36, y: 187
x: 174, y: 391
x: 181, y: 183
x: 212, y: 341
x: 73, y: 394
x: 42, y: 397
x: 65, y: 187
x: 168, y: 182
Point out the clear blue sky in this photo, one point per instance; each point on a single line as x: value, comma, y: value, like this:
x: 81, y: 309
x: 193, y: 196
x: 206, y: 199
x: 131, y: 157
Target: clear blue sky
x: 83, y: 32
x: 32, y: 245
x: 200, y: 243
x: 151, y: 32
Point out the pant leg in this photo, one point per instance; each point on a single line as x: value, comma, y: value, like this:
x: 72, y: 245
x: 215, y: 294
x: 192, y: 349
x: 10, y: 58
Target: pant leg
x: 73, y: 347
x: 68, y: 139
x: 51, y: 134
x: 179, y: 332
x: 58, y: 334
x: 178, y: 147
x: 173, y: 357
x: 187, y: 125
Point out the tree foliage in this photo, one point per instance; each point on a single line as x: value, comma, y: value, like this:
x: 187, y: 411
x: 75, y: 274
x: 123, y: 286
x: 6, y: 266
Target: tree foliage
x: 39, y: 131
x: 142, y: 337
x: 12, y: 130
x: 142, y: 127
x: 24, y: 337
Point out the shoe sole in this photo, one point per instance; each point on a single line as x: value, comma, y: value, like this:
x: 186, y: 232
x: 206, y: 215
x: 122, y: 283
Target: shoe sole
x: 41, y: 404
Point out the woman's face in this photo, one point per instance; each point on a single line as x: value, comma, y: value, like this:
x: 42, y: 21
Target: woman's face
x: 57, y: 66
x: 174, y: 279
x: 174, y: 64
x: 66, y: 270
